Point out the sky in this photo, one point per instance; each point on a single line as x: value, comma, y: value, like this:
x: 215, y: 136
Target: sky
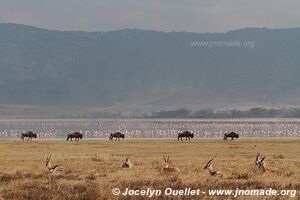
x: 163, y: 15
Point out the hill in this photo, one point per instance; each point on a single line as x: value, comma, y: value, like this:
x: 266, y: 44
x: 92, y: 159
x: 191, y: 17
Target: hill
x: 127, y: 69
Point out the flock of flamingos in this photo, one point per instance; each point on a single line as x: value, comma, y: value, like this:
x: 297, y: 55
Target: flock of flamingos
x: 168, y: 167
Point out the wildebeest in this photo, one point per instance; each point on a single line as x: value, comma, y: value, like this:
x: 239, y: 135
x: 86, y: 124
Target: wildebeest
x: 186, y: 134
x: 28, y: 134
x: 116, y: 135
x: 231, y: 135
x: 75, y: 135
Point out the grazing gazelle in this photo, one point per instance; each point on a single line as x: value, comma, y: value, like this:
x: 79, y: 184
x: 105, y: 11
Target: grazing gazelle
x: 127, y: 164
x: 262, y: 165
x: 211, y: 170
x: 55, y: 167
x: 168, y: 167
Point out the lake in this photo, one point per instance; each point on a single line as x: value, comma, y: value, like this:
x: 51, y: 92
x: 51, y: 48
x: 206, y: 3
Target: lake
x: 150, y: 128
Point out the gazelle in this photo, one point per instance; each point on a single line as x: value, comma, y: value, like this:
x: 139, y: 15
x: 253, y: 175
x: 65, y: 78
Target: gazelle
x: 55, y: 167
x: 211, y: 170
x: 127, y: 164
x: 168, y: 167
x: 262, y: 165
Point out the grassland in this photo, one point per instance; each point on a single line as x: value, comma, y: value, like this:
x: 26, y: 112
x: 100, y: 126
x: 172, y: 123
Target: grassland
x: 93, y: 167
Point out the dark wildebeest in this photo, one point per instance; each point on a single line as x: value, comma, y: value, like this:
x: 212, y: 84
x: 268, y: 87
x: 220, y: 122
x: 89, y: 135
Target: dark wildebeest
x: 231, y: 135
x: 75, y: 135
x: 186, y: 134
x: 28, y: 134
x: 117, y: 135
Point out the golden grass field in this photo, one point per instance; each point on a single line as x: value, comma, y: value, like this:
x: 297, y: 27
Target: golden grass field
x: 93, y: 168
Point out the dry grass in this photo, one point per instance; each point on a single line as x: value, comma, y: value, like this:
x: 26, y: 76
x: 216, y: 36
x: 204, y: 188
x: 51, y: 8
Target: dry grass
x: 93, y: 167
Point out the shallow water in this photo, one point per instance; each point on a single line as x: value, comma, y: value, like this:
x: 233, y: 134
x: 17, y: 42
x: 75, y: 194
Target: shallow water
x: 150, y: 128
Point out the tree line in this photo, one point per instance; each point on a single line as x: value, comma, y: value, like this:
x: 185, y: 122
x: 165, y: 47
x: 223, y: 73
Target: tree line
x: 233, y: 113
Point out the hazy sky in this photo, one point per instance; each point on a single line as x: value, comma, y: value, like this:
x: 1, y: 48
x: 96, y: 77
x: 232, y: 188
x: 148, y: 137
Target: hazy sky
x: 166, y: 15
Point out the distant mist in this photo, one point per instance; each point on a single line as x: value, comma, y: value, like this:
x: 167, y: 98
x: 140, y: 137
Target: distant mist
x: 138, y: 71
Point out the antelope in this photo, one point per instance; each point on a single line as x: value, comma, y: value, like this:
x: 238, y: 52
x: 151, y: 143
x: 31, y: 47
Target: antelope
x: 75, y: 135
x: 168, y: 167
x: 211, y: 170
x: 262, y: 165
x: 186, y: 134
x: 28, y: 134
x: 55, y: 167
x: 231, y: 135
x: 127, y: 164
x: 117, y: 135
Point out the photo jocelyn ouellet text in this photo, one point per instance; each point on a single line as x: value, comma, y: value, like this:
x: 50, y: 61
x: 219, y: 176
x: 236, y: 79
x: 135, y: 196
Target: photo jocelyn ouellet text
x: 149, y: 192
